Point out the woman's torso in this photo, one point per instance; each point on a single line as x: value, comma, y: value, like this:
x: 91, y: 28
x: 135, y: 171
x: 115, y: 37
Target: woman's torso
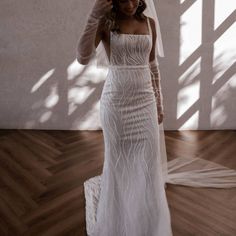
x: 127, y: 29
x: 129, y: 79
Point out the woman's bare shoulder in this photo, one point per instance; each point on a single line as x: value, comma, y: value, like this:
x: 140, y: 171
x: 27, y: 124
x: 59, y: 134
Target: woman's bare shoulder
x: 152, y: 21
x: 152, y: 24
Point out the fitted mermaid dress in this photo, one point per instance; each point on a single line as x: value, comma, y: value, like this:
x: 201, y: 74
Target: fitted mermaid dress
x: 128, y: 198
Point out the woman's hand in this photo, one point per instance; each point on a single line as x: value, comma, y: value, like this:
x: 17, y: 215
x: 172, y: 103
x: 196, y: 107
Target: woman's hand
x: 101, y: 7
x: 160, y: 114
x: 160, y: 118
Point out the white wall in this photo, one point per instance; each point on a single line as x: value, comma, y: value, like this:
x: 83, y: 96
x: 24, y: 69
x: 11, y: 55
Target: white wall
x: 44, y: 87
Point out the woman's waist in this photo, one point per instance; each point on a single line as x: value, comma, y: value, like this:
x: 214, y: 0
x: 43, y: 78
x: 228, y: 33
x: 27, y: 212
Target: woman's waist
x: 127, y: 90
x: 129, y: 72
x: 119, y: 66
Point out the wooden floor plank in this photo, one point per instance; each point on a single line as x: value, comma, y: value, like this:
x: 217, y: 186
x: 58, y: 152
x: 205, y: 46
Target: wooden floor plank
x: 42, y: 174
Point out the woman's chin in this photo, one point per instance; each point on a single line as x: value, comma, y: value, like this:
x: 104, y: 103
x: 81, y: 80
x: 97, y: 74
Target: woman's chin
x: 130, y: 13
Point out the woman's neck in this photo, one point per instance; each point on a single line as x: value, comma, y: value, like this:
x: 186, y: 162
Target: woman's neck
x: 121, y: 16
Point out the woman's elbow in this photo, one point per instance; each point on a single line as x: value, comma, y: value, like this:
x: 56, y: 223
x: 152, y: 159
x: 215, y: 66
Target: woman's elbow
x: 83, y: 60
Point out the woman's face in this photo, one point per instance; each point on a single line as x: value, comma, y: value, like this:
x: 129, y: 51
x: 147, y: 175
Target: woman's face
x: 128, y: 7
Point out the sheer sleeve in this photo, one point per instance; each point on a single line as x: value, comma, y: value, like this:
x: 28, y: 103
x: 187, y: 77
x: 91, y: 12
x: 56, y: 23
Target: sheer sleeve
x: 156, y: 82
x: 155, y: 72
x: 86, y: 46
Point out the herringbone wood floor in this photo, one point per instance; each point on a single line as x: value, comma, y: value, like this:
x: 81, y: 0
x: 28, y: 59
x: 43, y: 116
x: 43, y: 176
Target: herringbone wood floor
x: 42, y: 175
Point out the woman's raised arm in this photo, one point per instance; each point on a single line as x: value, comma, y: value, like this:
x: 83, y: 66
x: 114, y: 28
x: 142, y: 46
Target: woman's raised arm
x: 91, y: 35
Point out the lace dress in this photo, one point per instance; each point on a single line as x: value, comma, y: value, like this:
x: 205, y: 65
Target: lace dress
x: 128, y: 198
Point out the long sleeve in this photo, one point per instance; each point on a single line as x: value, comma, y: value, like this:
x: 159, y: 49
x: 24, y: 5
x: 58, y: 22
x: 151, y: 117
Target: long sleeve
x: 156, y: 82
x: 86, y: 45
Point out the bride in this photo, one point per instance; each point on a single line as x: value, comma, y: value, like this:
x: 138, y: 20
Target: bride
x: 132, y: 199
x: 128, y: 198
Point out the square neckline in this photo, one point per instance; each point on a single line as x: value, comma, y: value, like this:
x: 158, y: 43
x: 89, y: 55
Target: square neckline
x: 149, y: 30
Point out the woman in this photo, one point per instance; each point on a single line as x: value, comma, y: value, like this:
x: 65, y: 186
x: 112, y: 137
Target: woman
x: 132, y: 199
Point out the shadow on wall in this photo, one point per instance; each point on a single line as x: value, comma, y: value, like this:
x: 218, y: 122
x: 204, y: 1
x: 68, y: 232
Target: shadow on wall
x: 38, y: 77
x: 44, y: 87
x: 197, y: 69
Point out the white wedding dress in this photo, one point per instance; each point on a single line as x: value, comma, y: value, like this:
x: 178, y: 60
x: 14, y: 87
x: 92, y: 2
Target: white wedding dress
x: 128, y: 198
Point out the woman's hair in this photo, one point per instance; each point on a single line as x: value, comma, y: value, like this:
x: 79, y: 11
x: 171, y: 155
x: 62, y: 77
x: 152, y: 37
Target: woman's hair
x: 110, y: 17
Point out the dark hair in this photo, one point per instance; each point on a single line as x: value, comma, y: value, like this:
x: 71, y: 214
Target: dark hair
x: 110, y: 18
